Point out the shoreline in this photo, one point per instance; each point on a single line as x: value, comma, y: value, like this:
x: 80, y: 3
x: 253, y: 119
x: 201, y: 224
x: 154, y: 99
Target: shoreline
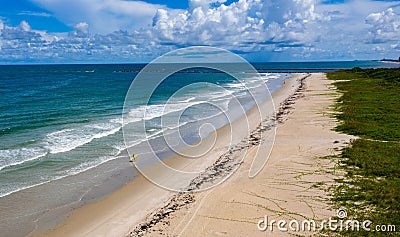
x: 265, y: 128
x: 391, y: 61
x: 99, y: 218
x: 289, y: 188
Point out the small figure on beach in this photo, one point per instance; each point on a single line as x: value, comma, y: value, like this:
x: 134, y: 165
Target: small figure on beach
x: 132, y: 159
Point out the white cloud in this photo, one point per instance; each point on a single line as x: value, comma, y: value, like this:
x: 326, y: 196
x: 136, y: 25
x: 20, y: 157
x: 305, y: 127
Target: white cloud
x: 344, y: 33
x: 82, y: 27
x: 204, y: 3
x: 22, y: 44
x: 385, y: 26
x: 24, y: 26
x: 104, y: 16
x: 119, y: 31
x: 81, y: 30
x: 243, y: 23
x: 31, y: 13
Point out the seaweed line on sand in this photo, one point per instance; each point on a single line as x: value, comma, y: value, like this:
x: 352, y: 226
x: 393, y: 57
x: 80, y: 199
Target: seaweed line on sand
x: 225, y: 163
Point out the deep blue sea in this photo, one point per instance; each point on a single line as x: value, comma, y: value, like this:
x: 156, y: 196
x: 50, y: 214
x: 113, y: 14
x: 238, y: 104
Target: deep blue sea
x: 60, y: 120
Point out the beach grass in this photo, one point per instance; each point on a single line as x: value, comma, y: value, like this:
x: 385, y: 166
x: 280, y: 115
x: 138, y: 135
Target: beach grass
x: 370, y: 109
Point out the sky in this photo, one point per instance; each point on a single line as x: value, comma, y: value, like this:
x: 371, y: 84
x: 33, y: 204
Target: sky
x: 129, y: 31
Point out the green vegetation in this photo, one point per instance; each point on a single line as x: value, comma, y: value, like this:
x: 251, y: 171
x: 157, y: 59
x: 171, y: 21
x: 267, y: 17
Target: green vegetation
x: 370, y: 109
x: 370, y: 105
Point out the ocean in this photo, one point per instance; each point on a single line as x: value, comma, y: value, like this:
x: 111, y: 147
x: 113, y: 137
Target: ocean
x: 61, y: 142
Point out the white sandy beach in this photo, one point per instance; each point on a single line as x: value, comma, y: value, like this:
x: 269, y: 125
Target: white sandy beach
x: 286, y: 188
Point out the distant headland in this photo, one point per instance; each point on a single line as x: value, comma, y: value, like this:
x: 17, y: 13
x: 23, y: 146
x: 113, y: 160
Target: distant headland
x: 390, y: 60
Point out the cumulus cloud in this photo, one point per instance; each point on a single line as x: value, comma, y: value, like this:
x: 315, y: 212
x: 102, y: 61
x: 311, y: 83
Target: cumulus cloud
x: 24, y: 26
x: 242, y: 23
x: 385, y: 26
x: 204, y: 3
x: 134, y: 31
x: 81, y: 30
x: 25, y: 45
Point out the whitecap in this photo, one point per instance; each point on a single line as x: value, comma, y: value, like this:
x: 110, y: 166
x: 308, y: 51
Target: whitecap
x: 14, y: 157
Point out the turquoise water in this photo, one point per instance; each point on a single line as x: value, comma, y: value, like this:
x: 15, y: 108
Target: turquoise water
x: 53, y: 118
x: 61, y: 120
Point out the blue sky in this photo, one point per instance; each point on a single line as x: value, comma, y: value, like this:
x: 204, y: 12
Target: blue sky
x: 113, y: 31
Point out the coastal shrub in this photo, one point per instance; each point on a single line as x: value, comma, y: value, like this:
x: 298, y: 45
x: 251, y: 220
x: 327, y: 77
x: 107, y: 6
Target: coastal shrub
x: 370, y: 108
